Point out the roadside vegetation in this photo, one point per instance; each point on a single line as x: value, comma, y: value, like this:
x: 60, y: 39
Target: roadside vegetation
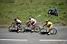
x: 10, y: 9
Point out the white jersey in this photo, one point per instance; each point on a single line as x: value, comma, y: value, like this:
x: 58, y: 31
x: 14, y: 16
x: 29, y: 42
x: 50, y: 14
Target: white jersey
x: 18, y: 21
x: 33, y: 20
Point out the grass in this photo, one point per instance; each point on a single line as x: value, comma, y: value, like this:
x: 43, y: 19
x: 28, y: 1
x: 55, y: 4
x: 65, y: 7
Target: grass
x: 25, y: 8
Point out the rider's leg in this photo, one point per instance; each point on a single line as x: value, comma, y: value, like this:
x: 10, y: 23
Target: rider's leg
x: 49, y: 29
x: 33, y: 26
x: 18, y: 25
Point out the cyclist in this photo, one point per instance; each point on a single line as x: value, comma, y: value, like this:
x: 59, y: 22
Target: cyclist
x: 49, y: 25
x: 17, y: 21
x: 31, y: 22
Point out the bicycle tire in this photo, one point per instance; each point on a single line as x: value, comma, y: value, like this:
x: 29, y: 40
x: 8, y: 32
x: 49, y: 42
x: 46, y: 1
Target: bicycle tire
x: 53, y: 31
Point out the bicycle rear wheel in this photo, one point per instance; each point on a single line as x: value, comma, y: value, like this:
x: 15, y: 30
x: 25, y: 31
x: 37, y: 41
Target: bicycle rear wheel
x: 10, y: 28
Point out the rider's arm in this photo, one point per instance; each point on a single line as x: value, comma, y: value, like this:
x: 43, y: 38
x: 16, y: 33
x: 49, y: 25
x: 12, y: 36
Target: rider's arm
x: 44, y: 25
x: 27, y: 22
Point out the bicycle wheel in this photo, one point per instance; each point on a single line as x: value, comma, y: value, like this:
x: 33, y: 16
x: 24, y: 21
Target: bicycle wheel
x: 10, y: 28
x: 37, y: 29
x: 53, y: 31
x: 19, y: 28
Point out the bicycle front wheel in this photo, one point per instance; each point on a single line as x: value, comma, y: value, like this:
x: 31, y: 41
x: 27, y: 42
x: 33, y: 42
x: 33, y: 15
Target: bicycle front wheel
x: 53, y: 31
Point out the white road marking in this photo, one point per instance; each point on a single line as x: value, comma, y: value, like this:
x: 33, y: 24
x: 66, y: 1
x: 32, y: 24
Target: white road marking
x: 51, y: 40
x: 14, y: 39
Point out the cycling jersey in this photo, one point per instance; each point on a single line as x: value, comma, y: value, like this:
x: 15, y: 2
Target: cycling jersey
x: 18, y: 21
x: 49, y: 24
x: 33, y: 21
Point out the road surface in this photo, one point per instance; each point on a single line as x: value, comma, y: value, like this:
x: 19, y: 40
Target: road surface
x: 7, y: 37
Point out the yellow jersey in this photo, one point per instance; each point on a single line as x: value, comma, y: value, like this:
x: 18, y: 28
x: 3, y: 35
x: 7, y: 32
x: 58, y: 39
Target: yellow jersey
x: 49, y: 24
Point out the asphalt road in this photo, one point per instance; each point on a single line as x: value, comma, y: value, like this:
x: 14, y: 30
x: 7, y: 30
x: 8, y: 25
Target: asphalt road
x: 7, y: 37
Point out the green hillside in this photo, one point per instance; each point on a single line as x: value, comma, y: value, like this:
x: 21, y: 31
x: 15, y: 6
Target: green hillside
x: 9, y: 9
